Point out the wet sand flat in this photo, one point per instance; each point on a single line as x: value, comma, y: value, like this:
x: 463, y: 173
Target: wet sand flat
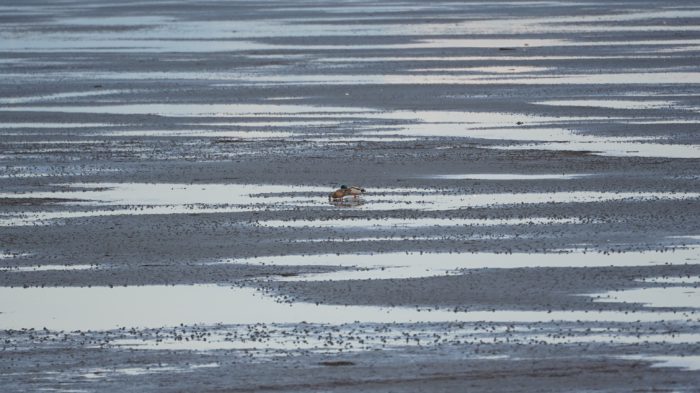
x: 530, y: 223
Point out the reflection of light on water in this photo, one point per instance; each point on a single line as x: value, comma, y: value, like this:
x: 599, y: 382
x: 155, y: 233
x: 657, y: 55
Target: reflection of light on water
x: 58, y: 96
x: 547, y: 131
x: 389, y: 59
x: 272, y: 123
x: 140, y: 42
x: 486, y: 69
x: 135, y: 20
x: 112, y: 199
x: 238, y: 78
x: 59, y: 142
x: 43, y: 268
x: 507, y: 176
x: 198, y: 110
x: 613, y: 104
x: 399, y: 223
x: 413, y: 265
x: 100, y: 308
x: 52, y: 125
x: 169, y: 193
x: 627, y: 78
x: 200, y: 134
x: 404, y: 238
x: 7, y: 255
x: 356, y: 337
x: 156, y: 368
x: 465, y: 130
x: 369, y: 20
x: 676, y: 296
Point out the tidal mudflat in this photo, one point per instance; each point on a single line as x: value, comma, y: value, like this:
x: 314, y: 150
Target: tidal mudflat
x: 530, y: 223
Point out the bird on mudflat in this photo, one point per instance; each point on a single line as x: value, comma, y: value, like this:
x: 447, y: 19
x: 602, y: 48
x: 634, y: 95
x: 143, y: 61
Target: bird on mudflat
x: 343, y: 191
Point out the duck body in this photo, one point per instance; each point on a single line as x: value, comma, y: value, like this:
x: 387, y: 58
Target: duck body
x: 344, y: 191
x: 355, y: 191
x: 336, y: 195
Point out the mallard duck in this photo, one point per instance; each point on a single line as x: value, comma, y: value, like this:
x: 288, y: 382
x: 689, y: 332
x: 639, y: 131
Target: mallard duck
x: 344, y: 191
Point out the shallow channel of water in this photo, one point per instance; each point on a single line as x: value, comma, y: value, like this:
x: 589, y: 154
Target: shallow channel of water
x: 103, y: 308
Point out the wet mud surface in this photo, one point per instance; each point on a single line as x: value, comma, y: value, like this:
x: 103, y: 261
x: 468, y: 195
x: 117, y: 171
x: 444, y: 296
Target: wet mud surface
x: 530, y: 221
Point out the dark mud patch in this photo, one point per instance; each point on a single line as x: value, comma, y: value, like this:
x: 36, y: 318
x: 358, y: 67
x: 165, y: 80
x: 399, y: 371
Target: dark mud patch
x: 337, y: 363
x: 544, y: 289
x: 159, y: 274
